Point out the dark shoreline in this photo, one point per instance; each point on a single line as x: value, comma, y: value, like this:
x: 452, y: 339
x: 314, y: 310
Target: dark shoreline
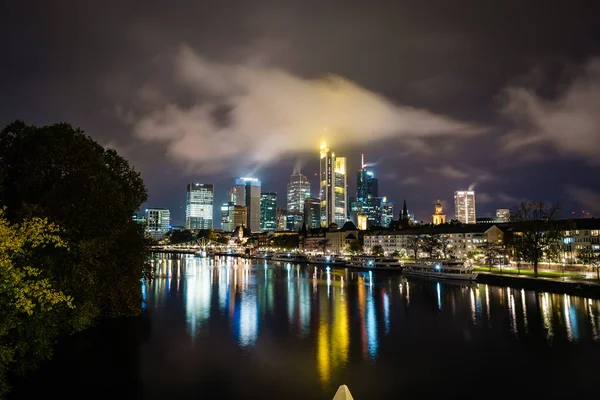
x: 572, y: 288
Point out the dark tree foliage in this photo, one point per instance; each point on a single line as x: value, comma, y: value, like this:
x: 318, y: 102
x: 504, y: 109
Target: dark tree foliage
x: 60, y: 173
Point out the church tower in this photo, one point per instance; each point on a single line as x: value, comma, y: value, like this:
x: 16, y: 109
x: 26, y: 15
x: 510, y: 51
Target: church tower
x: 438, y: 215
x: 404, y: 219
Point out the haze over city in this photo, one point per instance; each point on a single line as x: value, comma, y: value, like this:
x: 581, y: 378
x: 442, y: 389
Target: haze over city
x: 439, y: 96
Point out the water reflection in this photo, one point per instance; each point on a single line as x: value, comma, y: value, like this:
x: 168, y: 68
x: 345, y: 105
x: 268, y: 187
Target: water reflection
x: 339, y: 312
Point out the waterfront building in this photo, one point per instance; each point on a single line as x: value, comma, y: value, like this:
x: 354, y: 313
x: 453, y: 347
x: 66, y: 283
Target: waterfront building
x: 332, y: 188
x: 199, y: 206
x: 158, y: 222
x: 438, y: 216
x: 462, y: 240
x: 503, y: 214
x: 246, y: 192
x: 281, y: 217
x: 464, y: 206
x: 268, y: 211
x: 298, y: 190
x: 232, y: 216
x: 338, y: 240
x: 387, y: 212
x: 312, y: 213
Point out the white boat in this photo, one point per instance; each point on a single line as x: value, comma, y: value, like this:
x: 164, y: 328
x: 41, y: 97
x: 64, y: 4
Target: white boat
x: 374, y: 262
x: 443, y: 269
x: 334, y: 261
x: 290, y: 257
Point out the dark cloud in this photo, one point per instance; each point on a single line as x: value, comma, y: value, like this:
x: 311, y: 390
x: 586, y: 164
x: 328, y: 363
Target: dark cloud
x: 523, y: 70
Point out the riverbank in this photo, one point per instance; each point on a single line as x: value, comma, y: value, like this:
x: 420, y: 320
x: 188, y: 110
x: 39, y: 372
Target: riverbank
x: 571, y: 286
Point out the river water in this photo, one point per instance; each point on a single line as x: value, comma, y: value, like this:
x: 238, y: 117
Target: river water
x: 232, y: 328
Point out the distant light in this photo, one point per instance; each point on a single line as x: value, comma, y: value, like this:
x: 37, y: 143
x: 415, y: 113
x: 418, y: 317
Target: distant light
x: 323, y: 144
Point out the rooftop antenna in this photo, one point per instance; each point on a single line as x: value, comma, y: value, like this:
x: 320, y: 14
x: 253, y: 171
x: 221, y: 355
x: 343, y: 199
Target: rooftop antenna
x: 362, y: 160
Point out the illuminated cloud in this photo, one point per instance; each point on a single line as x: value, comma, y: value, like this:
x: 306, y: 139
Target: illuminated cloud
x: 256, y: 115
x: 570, y: 122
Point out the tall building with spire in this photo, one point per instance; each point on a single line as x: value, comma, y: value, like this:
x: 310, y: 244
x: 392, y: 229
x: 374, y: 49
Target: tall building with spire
x: 404, y: 217
x: 298, y: 190
x: 332, y: 187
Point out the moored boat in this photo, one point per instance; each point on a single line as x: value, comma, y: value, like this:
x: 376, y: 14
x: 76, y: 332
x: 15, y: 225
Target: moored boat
x: 443, y: 269
x: 290, y: 257
x: 375, y: 262
x: 334, y: 261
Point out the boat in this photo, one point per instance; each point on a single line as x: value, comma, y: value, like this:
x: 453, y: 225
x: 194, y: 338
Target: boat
x: 443, y: 269
x: 290, y: 258
x: 375, y: 262
x: 333, y: 261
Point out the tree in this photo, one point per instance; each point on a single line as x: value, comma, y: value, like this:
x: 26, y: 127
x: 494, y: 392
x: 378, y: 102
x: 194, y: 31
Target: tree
x: 181, y: 236
x: 395, y: 254
x: 430, y: 244
x: 538, y: 230
x: 285, y: 242
x: 355, y: 248
x: 377, y: 250
x: 59, y: 173
x: 30, y: 304
x: 588, y: 257
x: 414, y: 244
x: 444, y: 246
x: 323, y: 244
x: 490, y: 252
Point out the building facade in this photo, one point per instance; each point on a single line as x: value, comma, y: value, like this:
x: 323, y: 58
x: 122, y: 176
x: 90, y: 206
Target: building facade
x: 368, y: 201
x: 232, y: 216
x: 246, y: 192
x: 387, y: 212
x: 268, y: 211
x: 298, y: 190
x: 199, y: 206
x: 438, y: 216
x: 281, y: 217
x: 464, y: 206
x: 332, y: 187
x: 294, y: 221
x: 158, y: 222
x: 312, y: 213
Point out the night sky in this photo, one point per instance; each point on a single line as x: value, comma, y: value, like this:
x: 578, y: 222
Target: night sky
x: 439, y: 95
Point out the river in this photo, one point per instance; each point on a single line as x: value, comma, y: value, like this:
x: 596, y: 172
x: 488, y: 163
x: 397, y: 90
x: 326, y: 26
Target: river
x: 231, y: 328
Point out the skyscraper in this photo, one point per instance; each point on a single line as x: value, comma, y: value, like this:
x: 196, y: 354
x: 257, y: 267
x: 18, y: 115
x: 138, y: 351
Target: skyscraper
x: 268, y: 211
x: 297, y: 191
x: 387, y: 212
x: 332, y: 191
x: 312, y: 213
x: 232, y: 216
x: 464, y: 206
x: 367, y: 195
x: 199, y: 206
x: 158, y: 222
x: 281, y: 217
x: 246, y: 192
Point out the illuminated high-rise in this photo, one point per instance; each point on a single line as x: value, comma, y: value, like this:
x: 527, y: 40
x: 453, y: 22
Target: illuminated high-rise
x: 332, y: 187
x: 387, y: 212
x: 464, y: 206
x: 367, y: 195
x: 246, y: 192
x: 312, y: 213
x: 297, y: 191
x: 232, y: 216
x: 199, y: 206
x: 158, y: 222
x: 268, y: 211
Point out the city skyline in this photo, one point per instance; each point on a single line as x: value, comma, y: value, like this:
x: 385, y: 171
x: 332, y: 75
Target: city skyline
x: 459, y: 99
